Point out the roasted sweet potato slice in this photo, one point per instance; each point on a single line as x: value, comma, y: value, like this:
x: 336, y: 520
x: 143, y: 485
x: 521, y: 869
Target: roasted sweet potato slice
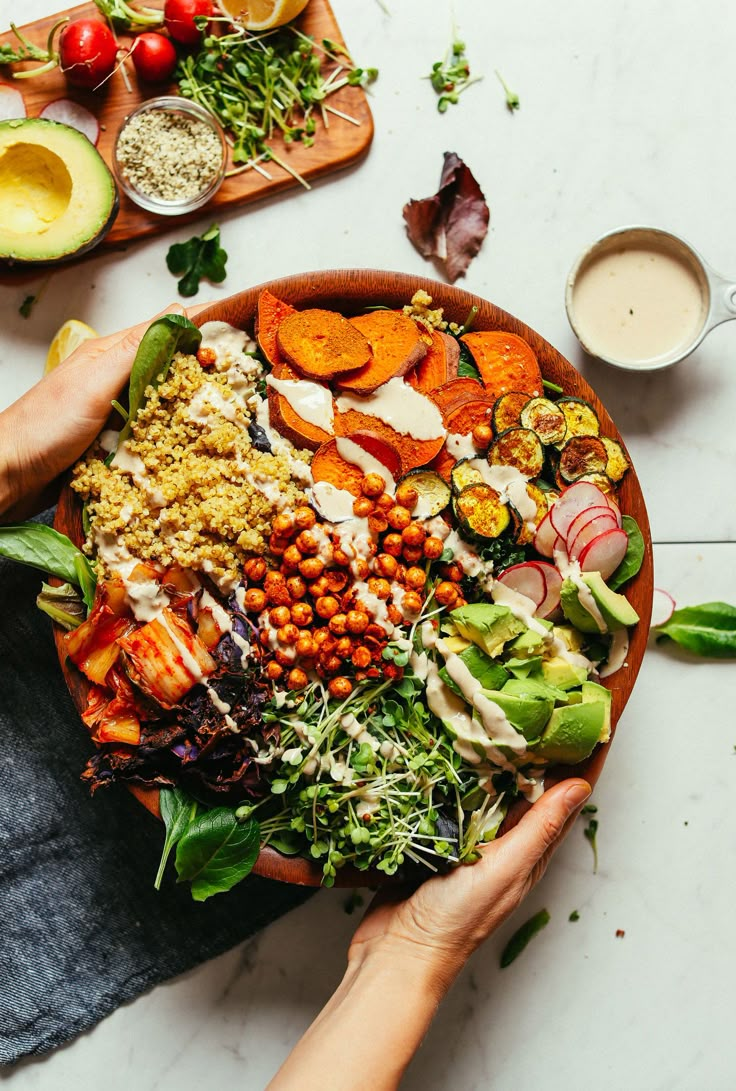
x: 397, y: 345
x: 303, y: 434
x: 330, y: 466
x: 505, y: 362
x: 461, y: 421
x: 322, y: 344
x: 456, y: 393
x: 439, y: 366
x: 271, y: 313
x: 412, y: 452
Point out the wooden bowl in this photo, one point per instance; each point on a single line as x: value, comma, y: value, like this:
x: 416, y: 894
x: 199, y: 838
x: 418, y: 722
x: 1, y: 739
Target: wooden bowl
x: 350, y: 291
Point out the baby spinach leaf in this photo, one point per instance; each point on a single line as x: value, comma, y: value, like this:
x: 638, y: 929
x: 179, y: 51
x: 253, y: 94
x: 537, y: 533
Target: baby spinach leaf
x: 466, y: 367
x: 216, y: 852
x: 590, y: 833
x: 167, y: 335
x: 633, y: 557
x: 44, y: 548
x: 197, y: 258
x: 177, y: 810
x: 708, y: 630
x: 522, y: 936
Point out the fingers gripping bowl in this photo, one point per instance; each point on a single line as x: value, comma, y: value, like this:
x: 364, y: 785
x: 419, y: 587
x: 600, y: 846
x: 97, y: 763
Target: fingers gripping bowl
x: 515, y: 692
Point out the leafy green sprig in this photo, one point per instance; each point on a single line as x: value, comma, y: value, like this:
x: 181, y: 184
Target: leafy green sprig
x: 124, y: 17
x: 451, y: 76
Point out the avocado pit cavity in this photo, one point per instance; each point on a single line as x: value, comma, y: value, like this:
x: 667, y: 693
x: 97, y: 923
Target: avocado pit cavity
x: 35, y: 188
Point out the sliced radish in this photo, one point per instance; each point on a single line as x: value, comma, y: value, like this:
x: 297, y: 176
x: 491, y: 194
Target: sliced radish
x: 527, y: 579
x: 588, y: 532
x: 553, y: 581
x: 605, y: 553
x: 544, y: 539
x: 663, y: 606
x: 585, y: 517
x: 614, y: 508
x: 575, y: 499
x: 12, y: 105
x: 75, y: 116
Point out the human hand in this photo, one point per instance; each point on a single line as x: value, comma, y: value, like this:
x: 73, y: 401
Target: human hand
x: 447, y: 917
x: 54, y: 422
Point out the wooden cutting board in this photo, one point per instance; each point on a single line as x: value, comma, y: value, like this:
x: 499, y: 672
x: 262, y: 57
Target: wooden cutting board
x: 340, y: 143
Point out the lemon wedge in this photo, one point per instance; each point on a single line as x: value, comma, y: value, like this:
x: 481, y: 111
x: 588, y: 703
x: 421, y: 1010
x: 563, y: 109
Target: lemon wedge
x: 262, y: 14
x: 66, y: 339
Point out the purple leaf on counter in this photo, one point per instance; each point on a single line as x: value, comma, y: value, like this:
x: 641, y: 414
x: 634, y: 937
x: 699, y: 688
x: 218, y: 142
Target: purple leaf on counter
x: 451, y: 225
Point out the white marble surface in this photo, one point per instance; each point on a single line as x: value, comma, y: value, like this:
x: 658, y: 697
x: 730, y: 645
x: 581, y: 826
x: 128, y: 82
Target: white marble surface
x: 621, y: 121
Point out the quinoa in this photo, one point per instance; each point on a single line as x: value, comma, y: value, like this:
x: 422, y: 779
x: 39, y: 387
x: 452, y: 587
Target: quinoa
x: 191, y: 489
x: 168, y: 155
x: 421, y: 309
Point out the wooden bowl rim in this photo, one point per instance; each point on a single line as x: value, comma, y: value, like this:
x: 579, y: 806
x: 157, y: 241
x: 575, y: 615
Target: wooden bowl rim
x: 350, y: 290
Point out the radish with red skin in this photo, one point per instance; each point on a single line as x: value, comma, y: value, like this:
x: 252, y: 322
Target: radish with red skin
x: 590, y: 530
x: 75, y: 116
x: 154, y: 57
x: 88, y: 52
x: 179, y: 16
x: 605, y: 553
x: 576, y: 498
x: 553, y: 582
x: 585, y: 517
x: 663, y: 607
x: 545, y: 537
x: 12, y: 104
x: 527, y: 579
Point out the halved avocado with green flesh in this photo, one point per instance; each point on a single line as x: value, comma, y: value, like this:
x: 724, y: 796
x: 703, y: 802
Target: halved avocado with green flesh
x: 573, y: 731
x: 57, y: 197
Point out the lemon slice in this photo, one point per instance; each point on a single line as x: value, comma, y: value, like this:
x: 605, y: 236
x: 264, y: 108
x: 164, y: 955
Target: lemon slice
x: 66, y: 339
x: 262, y: 14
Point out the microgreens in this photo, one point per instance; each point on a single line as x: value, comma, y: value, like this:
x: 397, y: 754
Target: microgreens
x: 451, y: 76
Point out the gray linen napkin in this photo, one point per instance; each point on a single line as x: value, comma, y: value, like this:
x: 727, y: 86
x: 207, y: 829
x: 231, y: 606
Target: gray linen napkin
x: 83, y: 930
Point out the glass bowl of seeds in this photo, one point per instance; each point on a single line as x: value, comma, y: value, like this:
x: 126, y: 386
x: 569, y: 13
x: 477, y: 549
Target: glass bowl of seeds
x: 170, y: 156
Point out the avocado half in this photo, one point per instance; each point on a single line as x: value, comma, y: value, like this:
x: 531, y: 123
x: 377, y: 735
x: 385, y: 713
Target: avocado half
x: 58, y: 198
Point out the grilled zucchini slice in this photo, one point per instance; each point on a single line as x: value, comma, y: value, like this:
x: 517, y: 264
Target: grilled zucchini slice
x: 601, y: 481
x: 464, y: 473
x: 434, y: 493
x: 507, y: 410
x: 481, y: 511
x: 524, y: 532
x: 519, y: 447
x: 618, y: 463
x: 582, y: 455
x: 546, y: 419
x: 581, y: 417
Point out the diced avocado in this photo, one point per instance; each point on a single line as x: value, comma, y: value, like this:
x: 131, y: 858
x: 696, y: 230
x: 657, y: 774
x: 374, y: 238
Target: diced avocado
x: 572, y: 732
x: 526, y: 645
x: 574, y: 610
x: 456, y: 644
x: 527, y: 714
x: 524, y: 668
x: 591, y: 691
x: 534, y: 687
x: 57, y: 197
x: 616, y: 609
x: 485, y: 670
x: 558, y: 672
x: 489, y: 626
x: 570, y: 637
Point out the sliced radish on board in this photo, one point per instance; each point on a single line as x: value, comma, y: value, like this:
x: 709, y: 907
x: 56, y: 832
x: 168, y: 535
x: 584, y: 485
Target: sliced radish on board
x: 588, y: 532
x: 553, y: 582
x: 585, y: 517
x: 663, y: 606
x: 605, y: 553
x: 12, y: 105
x: 75, y: 116
x: 527, y: 579
x: 574, y: 499
x: 545, y: 537
x: 614, y: 508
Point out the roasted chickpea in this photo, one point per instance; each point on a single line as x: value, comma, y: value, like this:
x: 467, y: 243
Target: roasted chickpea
x: 340, y: 557
x: 344, y: 647
x: 363, y: 507
x: 411, y: 603
x: 283, y: 657
x: 357, y: 621
x: 279, y: 615
x: 319, y: 587
x: 361, y: 658
x: 274, y: 670
x: 392, y: 544
x: 283, y: 525
x: 453, y: 572
x: 320, y: 636
x: 327, y: 648
x: 292, y: 558
x: 335, y: 580
x: 287, y: 634
x: 302, y: 614
x: 375, y: 632
x: 415, y: 577
x: 296, y: 587
x: 297, y: 678
x: 460, y: 601
x: 433, y: 548
x: 393, y: 672
x: 398, y: 517
x: 304, y: 518
x: 255, y: 600
x: 361, y: 568
x: 385, y: 565
x: 307, y: 543
x: 338, y: 624
x: 372, y: 485
x: 445, y: 593
x: 340, y: 687
x: 385, y: 501
x: 482, y: 436
x: 414, y: 535
x: 327, y: 606
x: 312, y: 568
x: 407, y: 495
x: 206, y: 357
x: 277, y: 545
x: 306, y: 648
x: 378, y: 522
x: 275, y: 587
x: 255, y: 569
x: 395, y: 615
x: 332, y: 664
x: 379, y: 587
x: 413, y: 554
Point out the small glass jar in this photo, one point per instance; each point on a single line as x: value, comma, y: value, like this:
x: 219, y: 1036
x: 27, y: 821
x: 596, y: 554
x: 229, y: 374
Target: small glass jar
x: 157, y: 158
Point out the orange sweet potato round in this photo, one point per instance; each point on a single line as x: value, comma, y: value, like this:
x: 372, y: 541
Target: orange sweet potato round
x: 412, y: 452
x: 505, y: 362
x: 270, y: 315
x: 322, y: 344
x: 438, y: 367
x: 397, y: 345
x: 286, y: 421
x: 330, y: 466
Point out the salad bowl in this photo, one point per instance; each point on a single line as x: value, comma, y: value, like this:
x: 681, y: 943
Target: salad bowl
x: 350, y: 292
